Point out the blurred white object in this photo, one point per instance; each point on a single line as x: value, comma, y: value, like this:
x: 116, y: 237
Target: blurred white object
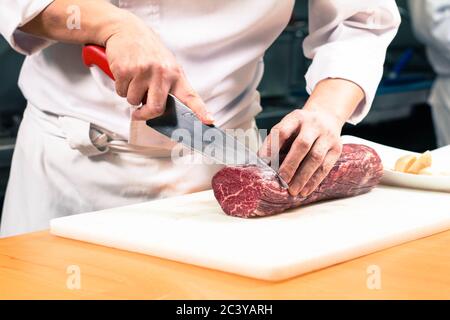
x: 431, y: 22
x: 390, y: 155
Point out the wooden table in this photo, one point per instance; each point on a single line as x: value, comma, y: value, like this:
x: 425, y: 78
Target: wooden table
x: 34, y: 266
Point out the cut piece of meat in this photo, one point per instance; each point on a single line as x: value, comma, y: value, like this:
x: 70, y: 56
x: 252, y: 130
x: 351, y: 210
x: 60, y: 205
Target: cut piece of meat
x: 251, y: 191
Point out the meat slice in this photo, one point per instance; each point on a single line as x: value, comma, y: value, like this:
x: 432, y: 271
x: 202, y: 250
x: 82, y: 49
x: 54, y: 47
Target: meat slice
x: 251, y: 191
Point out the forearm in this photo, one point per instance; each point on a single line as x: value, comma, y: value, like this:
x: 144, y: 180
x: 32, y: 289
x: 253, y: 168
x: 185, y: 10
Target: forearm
x: 98, y: 21
x: 337, y: 97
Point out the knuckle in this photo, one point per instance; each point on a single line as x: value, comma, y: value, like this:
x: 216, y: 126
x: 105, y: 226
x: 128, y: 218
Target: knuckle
x: 132, y: 101
x: 143, y: 67
x: 283, y: 134
x: 275, y: 129
x: 190, y: 96
x: 321, y: 172
x: 166, y: 76
x: 334, y: 138
x: 160, y: 68
x: 304, y: 143
x: 158, y: 109
x: 175, y: 70
x: 119, y: 91
x: 120, y: 72
x: 316, y: 155
x: 144, y: 112
x: 140, y: 67
x: 327, y: 168
x: 136, y: 69
x: 336, y: 150
x: 298, y: 113
x: 167, y: 70
x: 327, y: 132
x: 329, y: 163
x: 287, y: 171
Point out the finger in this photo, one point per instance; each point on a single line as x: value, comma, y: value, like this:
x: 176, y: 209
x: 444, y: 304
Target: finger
x: 309, y: 165
x: 156, y: 100
x: 123, y: 79
x: 183, y: 91
x: 136, y: 90
x: 278, y: 136
x: 320, y: 174
x: 264, y: 151
x: 298, y: 151
x: 122, y: 86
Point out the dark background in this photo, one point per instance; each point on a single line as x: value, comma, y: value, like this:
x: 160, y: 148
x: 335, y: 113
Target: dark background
x: 399, y: 117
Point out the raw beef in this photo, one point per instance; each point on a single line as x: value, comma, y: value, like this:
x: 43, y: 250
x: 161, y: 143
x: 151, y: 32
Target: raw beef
x: 251, y: 191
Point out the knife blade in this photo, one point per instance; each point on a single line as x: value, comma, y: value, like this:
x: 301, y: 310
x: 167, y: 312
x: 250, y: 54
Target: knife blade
x: 180, y: 124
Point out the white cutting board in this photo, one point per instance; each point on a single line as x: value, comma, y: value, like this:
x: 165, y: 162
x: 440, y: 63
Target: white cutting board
x: 193, y: 229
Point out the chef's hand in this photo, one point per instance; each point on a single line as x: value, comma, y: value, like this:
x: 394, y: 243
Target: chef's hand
x: 315, y: 147
x: 312, y: 135
x: 146, y: 71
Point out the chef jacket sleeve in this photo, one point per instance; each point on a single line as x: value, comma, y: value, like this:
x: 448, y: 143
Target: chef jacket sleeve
x: 16, y: 13
x: 431, y: 23
x: 348, y: 40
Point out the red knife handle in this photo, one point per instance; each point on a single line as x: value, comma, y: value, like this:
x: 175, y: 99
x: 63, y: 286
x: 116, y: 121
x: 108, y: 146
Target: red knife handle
x: 96, y: 55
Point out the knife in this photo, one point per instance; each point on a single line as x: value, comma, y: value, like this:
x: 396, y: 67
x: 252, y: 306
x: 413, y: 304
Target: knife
x: 180, y: 124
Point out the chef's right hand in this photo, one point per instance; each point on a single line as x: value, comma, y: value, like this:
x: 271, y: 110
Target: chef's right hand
x: 145, y: 69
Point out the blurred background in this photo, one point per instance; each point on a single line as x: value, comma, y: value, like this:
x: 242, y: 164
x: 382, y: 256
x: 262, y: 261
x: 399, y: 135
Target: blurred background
x: 400, y: 116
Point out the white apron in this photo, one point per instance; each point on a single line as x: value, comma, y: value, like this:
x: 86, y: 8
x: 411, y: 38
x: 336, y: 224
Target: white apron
x: 58, y: 170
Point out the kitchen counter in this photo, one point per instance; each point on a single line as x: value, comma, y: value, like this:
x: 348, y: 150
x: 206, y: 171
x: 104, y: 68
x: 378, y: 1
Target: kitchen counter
x: 36, y: 266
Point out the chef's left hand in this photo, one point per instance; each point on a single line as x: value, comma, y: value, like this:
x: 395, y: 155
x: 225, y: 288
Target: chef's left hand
x: 312, y: 135
x: 315, y: 146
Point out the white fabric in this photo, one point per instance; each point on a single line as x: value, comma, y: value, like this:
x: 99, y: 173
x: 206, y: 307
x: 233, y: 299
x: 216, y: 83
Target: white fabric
x: 56, y: 172
x: 220, y: 45
x: 348, y: 39
x: 440, y: 110
x: 431, y: 22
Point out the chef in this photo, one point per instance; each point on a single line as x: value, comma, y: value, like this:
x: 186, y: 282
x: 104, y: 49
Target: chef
x: 83, y: 145
x: 431, y: 22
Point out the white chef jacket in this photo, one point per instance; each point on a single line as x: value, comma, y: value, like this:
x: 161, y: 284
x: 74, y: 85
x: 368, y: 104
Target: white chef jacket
x: 431, y: 23
x: 219, y: 43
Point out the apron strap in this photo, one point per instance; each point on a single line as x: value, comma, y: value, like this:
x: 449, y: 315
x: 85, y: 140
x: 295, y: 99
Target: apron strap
x: 82, y: 137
